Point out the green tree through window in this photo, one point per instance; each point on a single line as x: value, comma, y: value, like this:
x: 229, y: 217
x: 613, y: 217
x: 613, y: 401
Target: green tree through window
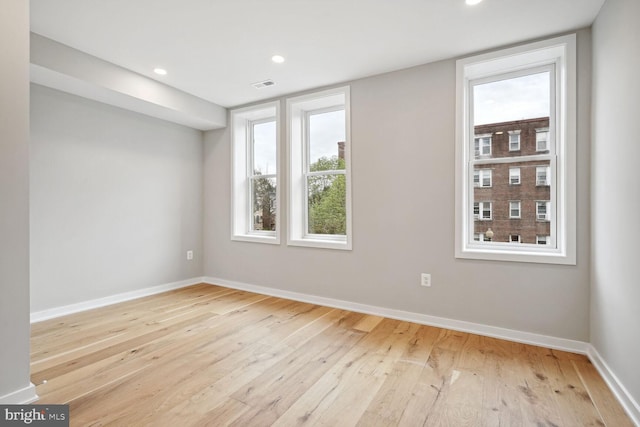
x: 327, y: 197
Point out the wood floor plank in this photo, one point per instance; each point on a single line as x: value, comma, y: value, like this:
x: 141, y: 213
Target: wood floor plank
x: 569, y: 392
x: 208, y: 355
x: 607, y: 406
x: 392, y: 404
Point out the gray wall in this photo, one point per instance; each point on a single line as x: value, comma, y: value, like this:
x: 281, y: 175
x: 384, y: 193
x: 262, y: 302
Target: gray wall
x: 615, y: 316
x: 14, y: 197
x: 403, y: 218
x: 116, y: 200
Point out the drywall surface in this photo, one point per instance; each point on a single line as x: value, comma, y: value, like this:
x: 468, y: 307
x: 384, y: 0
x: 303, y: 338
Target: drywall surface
x: 615, y: 293
x: 116, y: 200
x: 14, y: 202
x: 403, y: 218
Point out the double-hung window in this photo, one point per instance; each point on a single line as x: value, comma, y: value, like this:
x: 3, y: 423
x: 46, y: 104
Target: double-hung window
x: 482, y: 177
x: 514, y: 176
x: 531, y: 88
x: 542, y: 175
x: 514, y: 140
x: 482, y: 211
x: 542, y: 139
x: 482, y: 145
x: 319, y: 170
x: 514, y: 209
x: 542, y: 211
x: 255, y: 173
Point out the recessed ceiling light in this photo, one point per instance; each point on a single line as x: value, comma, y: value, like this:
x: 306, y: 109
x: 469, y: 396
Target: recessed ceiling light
x: 160, y: 71
x: 473, y: 2
x: 278, y: 59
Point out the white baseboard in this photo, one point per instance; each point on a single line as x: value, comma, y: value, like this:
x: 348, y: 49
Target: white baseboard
x: 619, y: 390
x: 424, y: 319
x: 23, y: 396
x: 51, y: 313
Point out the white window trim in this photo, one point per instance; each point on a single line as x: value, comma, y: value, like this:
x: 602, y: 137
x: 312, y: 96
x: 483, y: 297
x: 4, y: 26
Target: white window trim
x: 482, y: 136
x: 562, y: 52
x: 519, y: 209
x: 542, y: 130
x: 515, y: 241
x: 481, y: 176
x: 547, y: 181
x: 241, y: 215
x: 297, y: 108
x: 519, y: 175
x: 481, y: 209
x: 548, y: 211
x: 514, y: 132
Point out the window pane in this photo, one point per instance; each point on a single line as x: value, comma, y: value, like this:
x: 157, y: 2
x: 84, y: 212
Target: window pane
x: 517, y: 98
x: 514, y: 176
x: 263, y: 203
x: 327, y: 204
x: 326, y: 140
x: 514, y: 209
x: 542, y: 137
x: 514, y: 115
x: 264, y: 148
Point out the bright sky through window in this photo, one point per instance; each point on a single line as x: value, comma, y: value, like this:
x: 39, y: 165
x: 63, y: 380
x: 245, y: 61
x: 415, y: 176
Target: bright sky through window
x: 326, y: 130
x: 517, y: 98
x: 264, y: 154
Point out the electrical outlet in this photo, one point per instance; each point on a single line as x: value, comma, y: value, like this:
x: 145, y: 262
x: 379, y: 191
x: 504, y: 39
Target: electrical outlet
x: 425, y: 279
x: 189, y: 255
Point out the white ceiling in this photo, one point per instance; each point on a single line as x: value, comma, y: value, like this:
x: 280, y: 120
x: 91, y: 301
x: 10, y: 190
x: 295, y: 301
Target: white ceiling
x: 215, y: 49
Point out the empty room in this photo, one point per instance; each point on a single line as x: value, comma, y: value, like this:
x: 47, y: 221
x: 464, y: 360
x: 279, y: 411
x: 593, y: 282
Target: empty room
x: 340, y: 213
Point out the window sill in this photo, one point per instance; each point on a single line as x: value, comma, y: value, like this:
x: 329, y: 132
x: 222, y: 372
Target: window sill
x: 257, y: 238
x: 344, y: 245
x: 543, y: 255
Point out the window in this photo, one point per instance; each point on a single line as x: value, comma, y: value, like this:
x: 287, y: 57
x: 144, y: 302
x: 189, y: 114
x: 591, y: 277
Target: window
x: 482, y: 210
x: 319, y: 170
x: 514, y: 209
x: 542, y: 175
x: 542, y: 137
x: 482, y: 145
x: 531, y: 88
x: 514, y: 140
x: 514, y: 176
x: 255, y: 173
x: 542, y: 211
x: 482, y: 178
x: 514, y: 238
x: 542, y: 240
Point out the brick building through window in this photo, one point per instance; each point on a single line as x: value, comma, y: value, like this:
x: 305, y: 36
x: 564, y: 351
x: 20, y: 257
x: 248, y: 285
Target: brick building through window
x: 516, y: 188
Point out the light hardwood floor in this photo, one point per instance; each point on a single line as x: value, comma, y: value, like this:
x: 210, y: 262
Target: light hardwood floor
x: 212, y: 356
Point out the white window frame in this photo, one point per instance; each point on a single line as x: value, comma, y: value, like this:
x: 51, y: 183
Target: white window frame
x: 547, y: 171
x: 241, y: 121
x: 511, y: 236
x: 546, y: 142
x: 481, y: 210
x: 547, y: 214
x: 478, y: 151
x: 517, y: 133
x: 560, y: 54
x: 513, y: 174
x: 519, y: 209
x: 482, y: 174
x: 297, y: 111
